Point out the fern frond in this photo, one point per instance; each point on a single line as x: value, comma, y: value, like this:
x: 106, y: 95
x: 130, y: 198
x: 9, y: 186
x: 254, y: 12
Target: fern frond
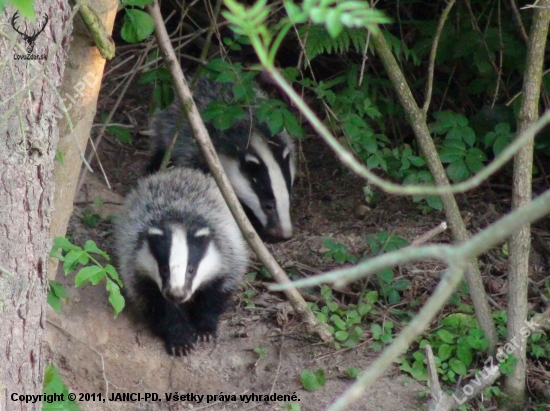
x: 317, y: 40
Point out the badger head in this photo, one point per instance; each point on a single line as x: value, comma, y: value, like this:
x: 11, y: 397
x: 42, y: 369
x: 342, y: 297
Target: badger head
x: 180, y: 258
x: 262, y: 176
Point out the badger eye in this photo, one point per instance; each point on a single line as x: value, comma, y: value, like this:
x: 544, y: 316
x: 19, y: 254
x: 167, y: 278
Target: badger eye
x: 269, y: 205
x: 164, y: 271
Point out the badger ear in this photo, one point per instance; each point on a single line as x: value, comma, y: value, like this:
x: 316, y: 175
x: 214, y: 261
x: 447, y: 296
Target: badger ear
x: 155, y: 231
x: 202, y: 232
x: 251, y: 158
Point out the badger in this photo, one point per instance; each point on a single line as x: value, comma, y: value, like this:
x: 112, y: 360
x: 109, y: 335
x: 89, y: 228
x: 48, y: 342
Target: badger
x: 260, y: 167
x: 181, y: 255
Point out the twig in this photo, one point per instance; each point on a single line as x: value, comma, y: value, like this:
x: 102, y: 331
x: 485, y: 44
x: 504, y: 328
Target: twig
x: 430, y: 234
x: 91, y: 348
x: 201, y: 135
x: 433, y: 53
x: 108, y: 121
x: 280, y: 359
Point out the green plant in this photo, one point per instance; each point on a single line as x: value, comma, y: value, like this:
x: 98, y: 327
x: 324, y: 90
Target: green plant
x: 344, y: 323
x: 88, y: 219
x: 353, y: 372
x: 53, y: 385
x: 384, y: 243
x: 163, y: 93
x: 338, y: 252
x: 56, y: 293
x: 459, y: 147
x: 260, y: 352
x: 381, y: 334
x: 453, y: 343
x: 223, y: 114
x: 313, y: 381
x: 73, y: 255
x: 138, y: 25
x: 292, y: 406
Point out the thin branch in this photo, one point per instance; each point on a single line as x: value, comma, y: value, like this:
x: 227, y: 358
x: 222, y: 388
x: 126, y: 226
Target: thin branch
x: 433, y: 53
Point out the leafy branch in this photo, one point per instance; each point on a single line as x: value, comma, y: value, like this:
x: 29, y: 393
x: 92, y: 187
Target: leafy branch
x: 73, y: 255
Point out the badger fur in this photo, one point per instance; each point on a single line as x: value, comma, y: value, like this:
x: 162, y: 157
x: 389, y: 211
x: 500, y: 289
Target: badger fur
x: 261, y: 167
x: 181, y: 255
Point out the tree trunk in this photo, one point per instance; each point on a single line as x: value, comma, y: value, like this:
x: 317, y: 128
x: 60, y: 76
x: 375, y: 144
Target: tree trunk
x: 417, y: 120
x: 28, y: 136
x: 520, y: 242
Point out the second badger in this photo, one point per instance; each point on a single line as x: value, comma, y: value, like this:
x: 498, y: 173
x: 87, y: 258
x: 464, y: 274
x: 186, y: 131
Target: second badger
x: 181, y: 255
x: 261, y: 167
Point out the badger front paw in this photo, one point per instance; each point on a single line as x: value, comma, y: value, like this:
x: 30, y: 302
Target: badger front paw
x: 179, y: 346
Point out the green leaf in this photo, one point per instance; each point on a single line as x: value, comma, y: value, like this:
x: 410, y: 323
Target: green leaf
x: 221, y: 115
x: 312, y: 381
x: 26, y: 7
x: 394, y: 297
x: 73, y: 258
x: 401, y: 285
x: 371, y: 296
x: 115, y: 298
x: 91, y: 247
x: 507, y: 367
x: 353, y: 372
x: 386, y: 275
x: 113, y: 273
x: 457, y: 366
x: 53, y: 300
x: 291, y: 124
x: 435, y: 202
x: 93, y: 274
x: 139, y: 3
x: 451, y: 154
x: 53, y: 384
x: 137, y: 26
x: 59, y: 157
x: 500, y: 144
x: 458, y: 171
x: 64, y: 244
x: 337, y: 321
x: 219, y: 66
x: 446, y: 336
x: 364, y: 309
x: 395, y: 243
x: 464, y: 354
x: 341, y: 335
x: 376, y: 331
x: 122, y: 134
x: 444, y: 352
x: 152, y: 76
x: 58, y: 289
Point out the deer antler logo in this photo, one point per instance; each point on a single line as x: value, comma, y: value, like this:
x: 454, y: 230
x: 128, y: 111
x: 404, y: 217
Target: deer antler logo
x: 29, y: 39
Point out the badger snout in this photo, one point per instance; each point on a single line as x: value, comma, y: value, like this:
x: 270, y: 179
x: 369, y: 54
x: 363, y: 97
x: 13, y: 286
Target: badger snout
x: 178, y: 296
x: 278, y: 234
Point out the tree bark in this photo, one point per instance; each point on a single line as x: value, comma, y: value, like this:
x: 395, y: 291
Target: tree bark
x: 28, y: 135
x: 81, y: 84
x: 520, y: 242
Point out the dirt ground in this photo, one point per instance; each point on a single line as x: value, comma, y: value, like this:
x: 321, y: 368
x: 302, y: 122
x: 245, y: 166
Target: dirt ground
x: 96, y: 353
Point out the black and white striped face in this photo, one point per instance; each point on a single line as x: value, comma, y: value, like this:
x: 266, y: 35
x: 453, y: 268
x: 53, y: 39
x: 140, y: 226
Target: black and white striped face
x: 182, y: 258
x: 262, y: 178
